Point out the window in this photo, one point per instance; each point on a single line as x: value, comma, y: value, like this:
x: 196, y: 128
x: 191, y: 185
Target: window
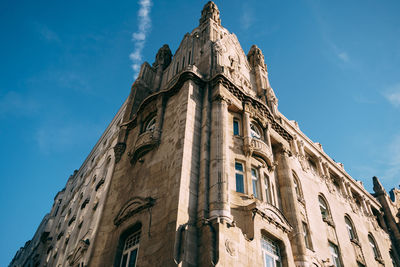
x: 297, y: 188
x: 323, y: 207
x: 267, y: 189
x: 254, y: 131
x: 271, y: 252
x: 131, y: 247
x: 350, y: 228
x: 334, y: 255
x: 307, y: 237
x: 236, y: 128
x: 373, y: 245
x: 239, y: 174
x: 150, y: 125
x: 254, y: 179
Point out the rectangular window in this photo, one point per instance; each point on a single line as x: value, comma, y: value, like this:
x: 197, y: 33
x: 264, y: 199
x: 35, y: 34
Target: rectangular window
x: 307, y: 237
x: 334, y: 255
x: 271, y: 253
x: 131, y: 247
x: 236, y: 127
x: 267, y: 190
x: 255, y: 183
x: 239, y: 174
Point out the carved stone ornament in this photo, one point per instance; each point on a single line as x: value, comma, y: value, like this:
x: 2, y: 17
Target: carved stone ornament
x: 272, y: 214
x: 133, y: 206
x: 119, y: 149
x: 78, y: 252
x: 230, y: 248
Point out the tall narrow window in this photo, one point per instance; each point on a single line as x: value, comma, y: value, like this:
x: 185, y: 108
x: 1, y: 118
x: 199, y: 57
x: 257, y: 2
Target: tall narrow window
x: 131, y: 247
x: 271, y: 252
x: 255, y: 132
x: 335, y: 257
x: 307, y: 237
x: 297, y: 187
x: 255, y: 183
x: 239, y: 174
x: 150, y: 124
x: 190, y: 53
x: 267, y: 189
x: 350, y: 228
x: 323, y: 207
x: 236, y: 130
x: 374, y: 247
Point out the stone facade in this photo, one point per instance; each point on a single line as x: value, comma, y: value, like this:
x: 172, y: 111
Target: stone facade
x: 199, y: 168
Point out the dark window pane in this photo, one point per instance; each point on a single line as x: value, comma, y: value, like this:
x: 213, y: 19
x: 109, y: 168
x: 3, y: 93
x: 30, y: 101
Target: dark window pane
x: 235, y: 127
x: 132, y: 258
x: 124, y: 259
x: 239, y: 183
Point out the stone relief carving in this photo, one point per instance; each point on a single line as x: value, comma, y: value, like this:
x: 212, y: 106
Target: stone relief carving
x: 230, y: 248
x: 78, y: 252
x: 133, y: 206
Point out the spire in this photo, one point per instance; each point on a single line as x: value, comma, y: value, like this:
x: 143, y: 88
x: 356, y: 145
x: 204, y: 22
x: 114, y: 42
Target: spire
x: 163, y: 57
x: 378, y: 188
x: 256, y: 57
x: 210, y: 11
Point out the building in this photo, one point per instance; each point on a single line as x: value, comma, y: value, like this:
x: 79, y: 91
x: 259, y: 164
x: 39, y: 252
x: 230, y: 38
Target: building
x: 199, y: 168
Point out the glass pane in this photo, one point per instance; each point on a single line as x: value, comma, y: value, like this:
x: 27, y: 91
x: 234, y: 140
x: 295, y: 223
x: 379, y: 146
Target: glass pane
x: 239, y: 166
x: 239, y: 183
x: 269, y: 261
x: 255, y: 188
x: 132, y: 258
x: 124, y: 259
x: 235, y: 127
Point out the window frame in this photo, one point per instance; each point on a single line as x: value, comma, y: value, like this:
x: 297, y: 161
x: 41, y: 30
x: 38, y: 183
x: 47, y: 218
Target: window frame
x: 236, y: 127
x: 238, y: 174
x: 255, y: 131
x: 307, y: 236
x: 129, y: 251
x: 374, y: 246
x: 335, y: 255
x: 323, y: 206
x: 255, y: 182
x: 272, y: 250
x: 351, y: 230
x: 267, y: 189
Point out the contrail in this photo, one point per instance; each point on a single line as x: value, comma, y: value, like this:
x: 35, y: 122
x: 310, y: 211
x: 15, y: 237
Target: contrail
x: 139, y: 37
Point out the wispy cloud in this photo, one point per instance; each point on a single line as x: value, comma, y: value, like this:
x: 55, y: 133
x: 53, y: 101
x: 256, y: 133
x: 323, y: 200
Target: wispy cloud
x: 14, y: 103
x: 56, y: 136
x: 246, y: 18
x: 393, y: 169
x: 46, y: 33
x: 392, y: 94
x: 139, y: 37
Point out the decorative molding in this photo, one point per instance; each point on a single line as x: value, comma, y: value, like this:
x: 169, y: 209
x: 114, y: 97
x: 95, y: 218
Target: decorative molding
x: 272, y: 214
x: 133, y: 206
x: 119, y: 149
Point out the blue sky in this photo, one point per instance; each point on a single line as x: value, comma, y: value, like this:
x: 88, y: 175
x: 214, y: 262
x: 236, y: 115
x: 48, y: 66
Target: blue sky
x: 65, y: 71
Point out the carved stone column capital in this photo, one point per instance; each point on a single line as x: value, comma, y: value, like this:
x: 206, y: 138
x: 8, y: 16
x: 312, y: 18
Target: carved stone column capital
x: 221, y: 99
x: 119, y: 149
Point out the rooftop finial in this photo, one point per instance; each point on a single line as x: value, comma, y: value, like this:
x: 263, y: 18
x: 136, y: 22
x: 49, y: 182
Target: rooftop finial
x: 256, y: 57
x: 163, y: 57
x: 210, y: 10
x: 378, y: 188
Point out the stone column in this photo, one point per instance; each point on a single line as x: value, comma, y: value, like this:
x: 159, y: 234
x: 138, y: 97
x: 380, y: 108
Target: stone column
x: 294, y: 144
x: 159, y: 118
x: 219, y: 195
x: 290, y: 206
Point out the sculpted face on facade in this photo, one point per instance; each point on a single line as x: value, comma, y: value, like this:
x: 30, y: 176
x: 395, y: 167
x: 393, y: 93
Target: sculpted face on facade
x: 199, y: 168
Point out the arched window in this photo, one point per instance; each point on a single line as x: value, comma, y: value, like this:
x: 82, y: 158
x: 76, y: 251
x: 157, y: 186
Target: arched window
x: 335, y: 255
x: 350, y: 228
x: 150, y: 124
x: 323, y: 206
x: 128, y: 248
x: 271, y: 252
x: 373, y: 246
x: 297, y: 187
x: 255, y: 131
x: 268, y: 194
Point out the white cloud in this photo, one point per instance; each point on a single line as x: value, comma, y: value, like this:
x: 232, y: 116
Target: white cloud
x: 139, y: 37
x: 46, y: 33
x: 343, y: 56
x: 14, y: 103
x: 393, y: 95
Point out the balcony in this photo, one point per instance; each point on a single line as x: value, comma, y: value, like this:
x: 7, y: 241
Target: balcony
x: 144, y: 143
x: 257, y: 147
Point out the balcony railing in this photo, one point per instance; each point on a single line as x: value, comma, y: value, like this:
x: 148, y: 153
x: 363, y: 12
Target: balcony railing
x: 254, y: 146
